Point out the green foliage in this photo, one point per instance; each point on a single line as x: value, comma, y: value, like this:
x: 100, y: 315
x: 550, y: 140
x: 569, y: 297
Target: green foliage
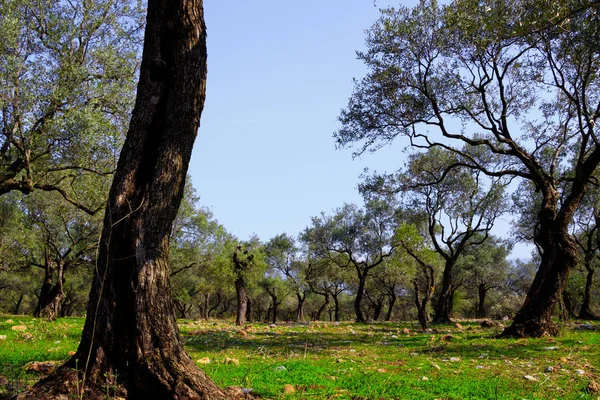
x: 67, y: 75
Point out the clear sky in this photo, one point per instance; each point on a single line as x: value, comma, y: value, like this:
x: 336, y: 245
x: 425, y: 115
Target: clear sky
x: 279, y: 73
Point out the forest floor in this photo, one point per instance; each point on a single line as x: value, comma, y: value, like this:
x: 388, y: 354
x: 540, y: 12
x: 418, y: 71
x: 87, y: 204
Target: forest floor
x: 345, y: 360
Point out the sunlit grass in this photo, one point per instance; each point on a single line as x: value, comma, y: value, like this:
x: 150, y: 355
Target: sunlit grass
x: 353, y: 361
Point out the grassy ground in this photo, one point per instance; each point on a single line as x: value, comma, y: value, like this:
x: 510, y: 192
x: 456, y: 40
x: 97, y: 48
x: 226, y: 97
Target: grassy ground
x: 349, y: 361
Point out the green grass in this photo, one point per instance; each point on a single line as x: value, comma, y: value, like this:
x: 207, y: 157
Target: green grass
x: 352, y: 361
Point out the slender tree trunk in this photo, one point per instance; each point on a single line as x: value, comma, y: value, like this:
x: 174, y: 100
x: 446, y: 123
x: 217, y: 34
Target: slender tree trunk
x: 377, y: 309
x: 242, y: 302
x: 274, y: 307
x: 559, y: 257
x: 392, y: 302
x: 249, y: 311
x: 444, y: 303
x: 323, y: 306
x: 362, y: 279
x: 336, y: 308
x: 585, y: 312
x: 301, y: 296
x: 130, y: 339
x: 17, y: 307
x: 482, y: 291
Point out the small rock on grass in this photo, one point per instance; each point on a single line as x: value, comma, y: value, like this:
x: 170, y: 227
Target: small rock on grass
x: 436, y: 366
x: 454, y: 359
x: 530, y: 378
x: 549, y: 369
x: 289, y: 388
x: 423, y: 378
x: 280, y: 368
x: 19, y: 328
x: 2, y: 337
x: 579, y: 372
x: 233, y: 361
x: 593, y: 387
x: 204, y: 360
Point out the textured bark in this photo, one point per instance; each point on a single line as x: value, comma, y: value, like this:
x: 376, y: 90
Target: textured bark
x: 324, y: 305
x: 301, y: 296
x: 482, y: 290
x: 242, y: 302
x: 444, y: 303
x: 585, y: 311
x: 362, y: 279
x: 391, y: 303
x: 51, y: 294
x: 130, y: 338
x: 559, y: 257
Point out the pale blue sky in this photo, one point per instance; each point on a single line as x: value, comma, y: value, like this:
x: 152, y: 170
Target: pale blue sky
x: 279, y: 73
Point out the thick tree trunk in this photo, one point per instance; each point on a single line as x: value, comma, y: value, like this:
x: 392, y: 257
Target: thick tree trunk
x: 130, y: 338
x: 444, y: 303
x: 392, y: 302
x: 242, y: 302
x: 362, y: 279
x: 585, y: 312
x: 323, y: 306
x: 559, y: 257
x: 206, y: 309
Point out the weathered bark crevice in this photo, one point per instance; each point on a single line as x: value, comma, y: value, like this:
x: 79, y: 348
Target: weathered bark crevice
x: 130, y: 335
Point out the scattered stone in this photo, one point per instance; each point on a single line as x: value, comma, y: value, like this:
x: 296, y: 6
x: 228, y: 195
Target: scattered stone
x: 593, y: 387
x: 406, y: 331
x: 289, y: 388
x: 579, y: 372
x: 8, y: 321
x: 204, y: 360
x: 479, y: 367
x: 413, y: 354
x: 446, y: 338
x: 273, y: 326
x: 19, y: 328
x: 549, y: 369
x: 423, y: 378
x: 490, y: 324
x: 458, y: 326
x: 381, y: 370
x: 436, y: 366
x: 484, y: 355
x: 280, y: 368
x: 530, y: 378
x: 586, y: 327
x: 505, y: 318
x: 394, y: 337
x: 27, y: 336
x: 454, y: 359
x: 233, y: 361
x: 2, y: 337
x: 550, y: 348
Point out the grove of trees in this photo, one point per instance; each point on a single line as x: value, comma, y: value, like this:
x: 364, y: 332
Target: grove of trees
x: 497, y: 104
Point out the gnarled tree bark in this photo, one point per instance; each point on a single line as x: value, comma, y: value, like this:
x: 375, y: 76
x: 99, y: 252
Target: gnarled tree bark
x: 130, y: 339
